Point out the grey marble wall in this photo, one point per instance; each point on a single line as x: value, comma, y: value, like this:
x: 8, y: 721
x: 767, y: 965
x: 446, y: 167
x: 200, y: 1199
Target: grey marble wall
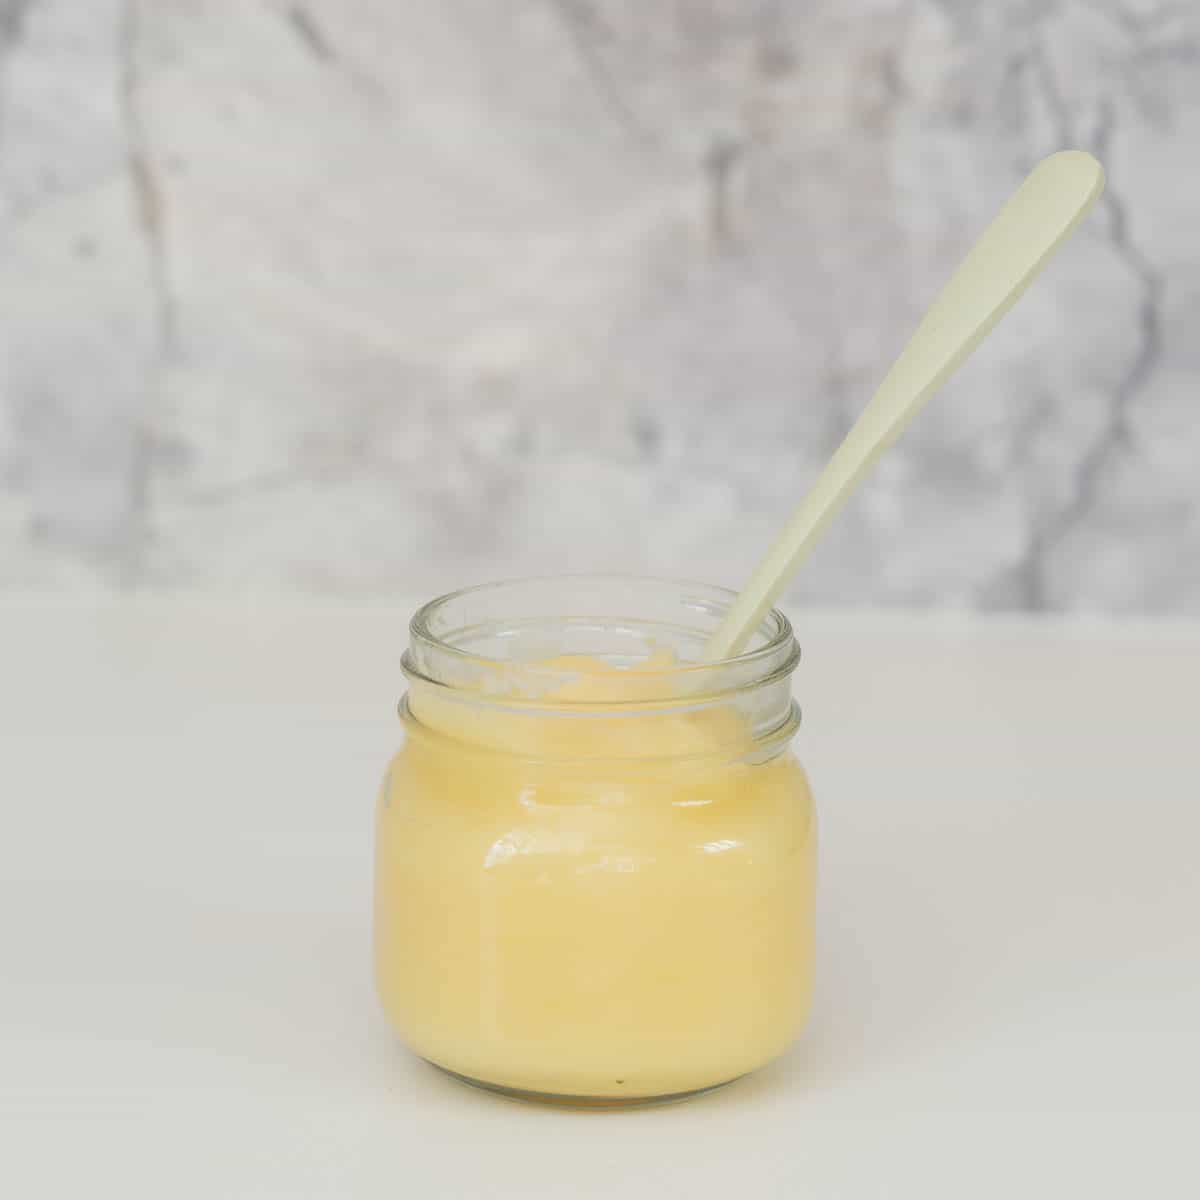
x: 390, y: 295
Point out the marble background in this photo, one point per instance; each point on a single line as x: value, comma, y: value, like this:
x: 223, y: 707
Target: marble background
x: 378, y: 295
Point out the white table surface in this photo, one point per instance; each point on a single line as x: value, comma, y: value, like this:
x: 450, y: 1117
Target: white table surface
x: 1009, y: 955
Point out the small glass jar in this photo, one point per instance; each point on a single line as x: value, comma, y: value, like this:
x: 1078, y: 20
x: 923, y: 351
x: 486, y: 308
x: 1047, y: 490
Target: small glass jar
x: 595, y: 853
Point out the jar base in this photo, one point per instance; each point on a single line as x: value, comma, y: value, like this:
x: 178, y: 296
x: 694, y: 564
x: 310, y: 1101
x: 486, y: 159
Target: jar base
x: 587, y: 1103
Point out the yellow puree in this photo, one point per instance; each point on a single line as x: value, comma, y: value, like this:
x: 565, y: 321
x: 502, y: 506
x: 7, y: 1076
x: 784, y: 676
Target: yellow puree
x: 608, y: 907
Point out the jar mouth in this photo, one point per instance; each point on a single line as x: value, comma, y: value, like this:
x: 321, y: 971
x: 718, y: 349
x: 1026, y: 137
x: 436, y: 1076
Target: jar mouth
x: 475, y: 637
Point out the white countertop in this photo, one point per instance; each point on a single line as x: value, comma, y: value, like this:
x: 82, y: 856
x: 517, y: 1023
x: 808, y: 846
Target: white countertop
x: 1009, y: 956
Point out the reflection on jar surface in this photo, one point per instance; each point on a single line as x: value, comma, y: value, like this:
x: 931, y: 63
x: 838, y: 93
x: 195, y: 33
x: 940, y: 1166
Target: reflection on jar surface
x: 595, y: 863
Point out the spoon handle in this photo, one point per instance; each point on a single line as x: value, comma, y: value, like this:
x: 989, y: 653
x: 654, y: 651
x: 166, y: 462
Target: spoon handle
x: 1038, y: 217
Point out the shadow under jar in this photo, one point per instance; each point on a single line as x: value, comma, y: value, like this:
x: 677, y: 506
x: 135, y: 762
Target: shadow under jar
x: 595, y: 854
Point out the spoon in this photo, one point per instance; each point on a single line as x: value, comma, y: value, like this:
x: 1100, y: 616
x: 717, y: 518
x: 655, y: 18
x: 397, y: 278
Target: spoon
x: 1037, y: 219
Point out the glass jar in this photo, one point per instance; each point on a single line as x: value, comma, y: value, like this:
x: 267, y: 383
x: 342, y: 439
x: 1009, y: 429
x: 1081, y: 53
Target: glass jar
x: 595, y: 853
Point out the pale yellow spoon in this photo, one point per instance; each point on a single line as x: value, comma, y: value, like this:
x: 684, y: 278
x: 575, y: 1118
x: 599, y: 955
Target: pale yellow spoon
x: 1030, y: 227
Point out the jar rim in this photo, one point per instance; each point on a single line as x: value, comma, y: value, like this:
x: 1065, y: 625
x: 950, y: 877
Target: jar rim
x: 774, y: 656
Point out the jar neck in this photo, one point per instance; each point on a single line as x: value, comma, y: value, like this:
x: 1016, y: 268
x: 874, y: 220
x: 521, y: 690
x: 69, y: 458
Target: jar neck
x: 596, y: 667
